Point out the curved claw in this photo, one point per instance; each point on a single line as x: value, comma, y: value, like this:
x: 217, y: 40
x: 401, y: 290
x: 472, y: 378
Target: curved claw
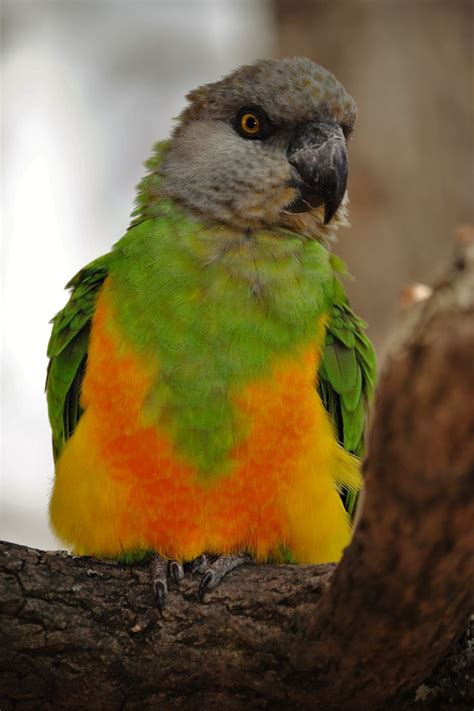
x: 176, y: 572
x: 218, y: 570
x: 200, y: 565
x: 207, y: 583
x: 160, y: 592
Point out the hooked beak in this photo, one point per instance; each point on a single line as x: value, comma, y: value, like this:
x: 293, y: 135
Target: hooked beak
x: 317, y: 151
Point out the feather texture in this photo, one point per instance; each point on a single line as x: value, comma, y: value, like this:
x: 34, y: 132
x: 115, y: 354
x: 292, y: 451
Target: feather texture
x: 67, y: 351
x: 347, y: 373
x: 183, y: 410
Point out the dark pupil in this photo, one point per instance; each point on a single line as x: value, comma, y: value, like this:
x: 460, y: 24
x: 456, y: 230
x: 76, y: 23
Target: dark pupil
x: 251, y: 123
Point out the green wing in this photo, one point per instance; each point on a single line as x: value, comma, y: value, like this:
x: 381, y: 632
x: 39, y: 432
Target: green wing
x: 67, y: 351
x: 347, y: 373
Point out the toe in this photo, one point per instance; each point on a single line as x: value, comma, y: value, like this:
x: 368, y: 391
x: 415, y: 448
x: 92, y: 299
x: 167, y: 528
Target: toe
x: 176, y: 572
x: 218, y: 570
x: 160, y: 592
x: 200, y: 565
x: 159, y: 579
x: 208, y: 582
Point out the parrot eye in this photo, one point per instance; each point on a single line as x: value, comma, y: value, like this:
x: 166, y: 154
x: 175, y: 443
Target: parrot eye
x: 249, y: 123
x: 252, y: 122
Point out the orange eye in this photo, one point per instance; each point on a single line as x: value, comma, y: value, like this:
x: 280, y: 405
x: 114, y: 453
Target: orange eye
x: 253, y: 123
x: 250, y: 124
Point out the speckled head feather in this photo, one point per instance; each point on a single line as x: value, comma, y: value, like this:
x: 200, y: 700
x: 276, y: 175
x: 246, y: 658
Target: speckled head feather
x: 214, y: 170
x: 292, y: 90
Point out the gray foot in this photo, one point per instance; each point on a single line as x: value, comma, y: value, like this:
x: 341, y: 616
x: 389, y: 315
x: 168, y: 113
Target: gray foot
x: 200, y: 564
x: 160, y: 568
x: 214, y: 572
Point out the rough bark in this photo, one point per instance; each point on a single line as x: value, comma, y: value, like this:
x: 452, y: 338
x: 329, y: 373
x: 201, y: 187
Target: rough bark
x: 80, y: 633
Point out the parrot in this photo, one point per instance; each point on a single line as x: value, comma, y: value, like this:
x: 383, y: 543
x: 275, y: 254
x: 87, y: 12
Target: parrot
x: 208, y: 382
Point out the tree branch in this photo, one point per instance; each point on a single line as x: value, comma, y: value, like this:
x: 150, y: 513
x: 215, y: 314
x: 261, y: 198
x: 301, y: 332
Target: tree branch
x: 80, y: 633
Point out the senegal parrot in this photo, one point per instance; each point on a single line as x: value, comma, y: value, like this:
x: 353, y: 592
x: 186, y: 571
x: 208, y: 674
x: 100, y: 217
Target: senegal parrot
x: 208, y: 380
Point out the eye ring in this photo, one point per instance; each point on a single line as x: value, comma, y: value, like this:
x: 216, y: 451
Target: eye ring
x: 252, y: 122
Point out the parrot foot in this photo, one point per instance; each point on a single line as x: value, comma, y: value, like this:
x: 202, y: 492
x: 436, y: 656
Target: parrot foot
x: 160, y: 568
x: 200, y: 565
x: 214, y: 572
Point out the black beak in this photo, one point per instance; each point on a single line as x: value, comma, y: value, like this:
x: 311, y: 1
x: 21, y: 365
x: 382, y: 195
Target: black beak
x: 317, y: 151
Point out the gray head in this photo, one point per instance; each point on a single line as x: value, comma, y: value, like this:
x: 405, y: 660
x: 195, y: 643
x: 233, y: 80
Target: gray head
x: 264, y: 146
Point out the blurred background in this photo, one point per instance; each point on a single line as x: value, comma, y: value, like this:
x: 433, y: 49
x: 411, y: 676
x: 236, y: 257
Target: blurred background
x: 89, y: 85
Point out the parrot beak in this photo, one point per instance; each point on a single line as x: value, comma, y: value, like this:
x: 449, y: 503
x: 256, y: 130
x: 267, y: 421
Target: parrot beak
x: 317, y: 151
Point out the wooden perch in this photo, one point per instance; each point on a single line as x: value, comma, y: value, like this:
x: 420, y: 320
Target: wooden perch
x: 78, y: 633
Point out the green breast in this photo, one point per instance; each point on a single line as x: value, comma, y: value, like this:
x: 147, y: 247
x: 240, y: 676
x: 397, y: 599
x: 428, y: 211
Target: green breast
x: 215, y: 307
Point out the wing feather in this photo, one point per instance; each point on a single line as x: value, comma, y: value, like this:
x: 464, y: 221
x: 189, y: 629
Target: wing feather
x: 346, y: 375
x: 67, y: 351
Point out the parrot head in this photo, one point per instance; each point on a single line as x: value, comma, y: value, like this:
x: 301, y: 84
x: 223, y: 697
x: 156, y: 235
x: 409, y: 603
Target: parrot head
x: 265, y: 146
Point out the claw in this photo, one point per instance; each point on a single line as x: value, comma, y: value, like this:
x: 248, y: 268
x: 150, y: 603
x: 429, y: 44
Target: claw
x: 159, y: 574
x: 218, y: 570
x: 160, y: 591
x: 200, y: 565
x: 176, y: 572
x: 207, y: 583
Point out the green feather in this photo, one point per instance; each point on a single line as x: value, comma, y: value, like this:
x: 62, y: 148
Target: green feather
x: 347, y: 375
x: 352, y: 397
x: 177, y: 305
x: 67, y: 350
x: 215, y: 309
x: 353, y: 422
x: 177, y: 283
x: 341, y: 366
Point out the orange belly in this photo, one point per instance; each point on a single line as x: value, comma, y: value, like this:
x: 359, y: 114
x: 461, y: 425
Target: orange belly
x: 121, y: 485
